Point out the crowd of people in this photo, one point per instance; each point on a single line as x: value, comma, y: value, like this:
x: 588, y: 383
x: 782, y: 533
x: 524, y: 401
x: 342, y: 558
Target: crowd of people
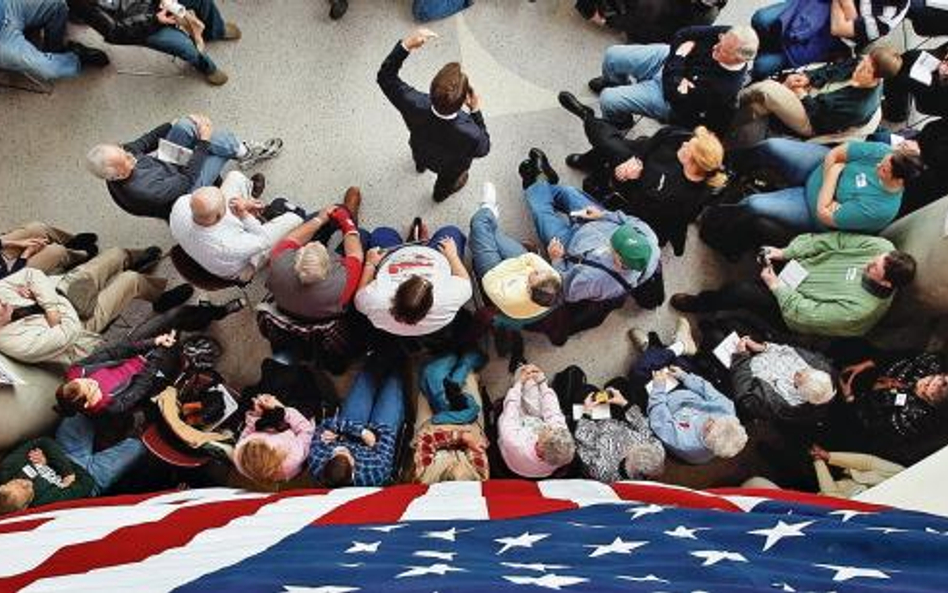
x: 785, y: 350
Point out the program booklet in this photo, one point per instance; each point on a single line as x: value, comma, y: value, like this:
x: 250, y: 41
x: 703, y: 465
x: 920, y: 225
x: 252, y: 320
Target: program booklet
x: 169, y: 152
x: 726, y: 349
x: 792, y: 274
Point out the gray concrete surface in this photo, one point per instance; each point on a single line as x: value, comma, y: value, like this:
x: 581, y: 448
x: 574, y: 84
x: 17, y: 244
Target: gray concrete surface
x: 311, y: 81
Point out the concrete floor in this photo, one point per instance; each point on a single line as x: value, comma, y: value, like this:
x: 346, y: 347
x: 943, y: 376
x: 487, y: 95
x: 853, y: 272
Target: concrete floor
x: 311, y: 81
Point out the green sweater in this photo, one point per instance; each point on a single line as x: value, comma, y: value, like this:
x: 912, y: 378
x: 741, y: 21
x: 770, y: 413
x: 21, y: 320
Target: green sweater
x: 831, y: 300
x: 46, y: 478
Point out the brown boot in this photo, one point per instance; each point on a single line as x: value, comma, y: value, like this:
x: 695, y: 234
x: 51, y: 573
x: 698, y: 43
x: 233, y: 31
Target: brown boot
x: 352, y: 202
x: 232, y: 32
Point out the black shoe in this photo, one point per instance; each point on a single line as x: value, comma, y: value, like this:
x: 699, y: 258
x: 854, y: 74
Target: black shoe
x: 570, y: 103
x: 517, y: 357
x: 441, y: 195
x: 281, y: 206
x: 84, y: 242
x: 259, y: 182
x: 528, y: 173
x: 578, y: 161
x: 142, y: 261
x: 222, y: 311
x: 542, y: 164
x: 688, y: 303
x: 597, y: 84
x: 338, y: 9
x: 88, y: 56
x: 170, y: 299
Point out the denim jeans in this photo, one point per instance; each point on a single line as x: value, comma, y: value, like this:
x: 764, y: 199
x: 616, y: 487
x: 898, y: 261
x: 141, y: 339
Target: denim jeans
x: 386, y: 237
x: 793, y: 159
x: 489, y: 244
x: 76, y: 435
x: 770, y: 57
x: 643, y: 63
x: 547, y: 202
x: 173, y: 41
x: 786, y: 206
x: 17, y: 54
x: 375, y: 401
x: 224, y: 147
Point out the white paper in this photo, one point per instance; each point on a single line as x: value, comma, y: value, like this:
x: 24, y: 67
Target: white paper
x: 900, y: 399
x: 792, y: 274
x: 8, y: 377
x: 923, y: 68
x: 670, y: 384
x: 895, y: 140
x: 726, y: 349
x: 230, y: 406
x: 169, y: 152
x: 598, y: 412
x: 939, y: 4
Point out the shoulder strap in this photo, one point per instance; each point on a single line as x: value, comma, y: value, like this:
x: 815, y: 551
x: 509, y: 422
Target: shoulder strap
x: 576, y: 259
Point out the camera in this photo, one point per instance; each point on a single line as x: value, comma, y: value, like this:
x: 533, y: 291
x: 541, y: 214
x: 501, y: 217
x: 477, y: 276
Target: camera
x: 762, y: 257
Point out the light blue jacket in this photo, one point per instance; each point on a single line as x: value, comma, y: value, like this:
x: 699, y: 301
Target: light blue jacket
x: 678, y: 418
x: 590, y: 240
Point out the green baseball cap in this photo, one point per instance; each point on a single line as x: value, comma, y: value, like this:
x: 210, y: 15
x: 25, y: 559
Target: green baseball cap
x: 632, y: 246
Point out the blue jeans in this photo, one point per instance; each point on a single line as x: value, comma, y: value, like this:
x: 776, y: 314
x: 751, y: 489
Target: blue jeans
x: 547, y: 202
x: 386, y: 237
x: 76, y: 435
x: 17, y: 54
x: 770, y: 57
x: 786, y: 206
x: 224, y: 147
x: 489, y: 244
x: 379, y: 402
x: 173, y: 41
x: 793, y: 159
x: 643, y: 63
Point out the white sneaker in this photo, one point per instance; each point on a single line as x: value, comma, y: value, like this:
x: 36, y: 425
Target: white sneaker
x: 684, y: 337
x: 489, y: 198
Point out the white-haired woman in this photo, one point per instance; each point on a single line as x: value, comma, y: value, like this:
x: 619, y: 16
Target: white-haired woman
x: 781, y: 382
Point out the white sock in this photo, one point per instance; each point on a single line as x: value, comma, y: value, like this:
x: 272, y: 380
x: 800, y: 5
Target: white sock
x: 242, y: 151
x: 489, y: 198
x: 677, y: 348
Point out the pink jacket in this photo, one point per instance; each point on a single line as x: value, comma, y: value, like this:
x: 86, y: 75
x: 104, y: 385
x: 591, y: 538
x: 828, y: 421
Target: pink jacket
x: 295, y: 441
x: 518, y: 430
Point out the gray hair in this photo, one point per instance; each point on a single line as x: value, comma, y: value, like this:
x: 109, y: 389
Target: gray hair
x: 555, y: 445
x: 748, y: 42
x: 645, y: 459
x: 98, y: 162
x: 726, y: 437
x: 816, y: 386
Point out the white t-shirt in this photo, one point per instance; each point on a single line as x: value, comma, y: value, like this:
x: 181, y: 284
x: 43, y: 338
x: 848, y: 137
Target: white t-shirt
x: 450, y: 292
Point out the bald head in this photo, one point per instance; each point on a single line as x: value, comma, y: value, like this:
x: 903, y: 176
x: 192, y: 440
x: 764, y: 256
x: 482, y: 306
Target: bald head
x: 208, y: 206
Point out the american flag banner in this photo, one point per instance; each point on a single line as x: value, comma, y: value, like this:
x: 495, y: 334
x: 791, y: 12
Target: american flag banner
x: 500, y: 535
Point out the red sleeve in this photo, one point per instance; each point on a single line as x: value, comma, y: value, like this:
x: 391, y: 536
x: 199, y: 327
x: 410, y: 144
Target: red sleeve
x: 283, y: 245
x: 353, y: 275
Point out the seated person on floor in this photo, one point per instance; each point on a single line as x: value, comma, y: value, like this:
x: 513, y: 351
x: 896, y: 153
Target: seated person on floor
x: 414, y: 288
x: 55, y: 57
x: 533, y: 437
x: 665, y: 180
x: 860, y: 472
x: 42, y: 471
x: 45, y: 248
x: 695, y: 421
x: 862, y: 23
x: 848, y: 287
x: 600, y: 255
x: 115, y: 378
x: 357, y: 447
x: 931, y: 144
x: 44, y: 321
x: 649, y: 21
x: 175, y: 27
x: 275, y: 442
x: 307, y: 281
x: 222, y: 229
x: 144, y: 185
x: 928, y: 95
x: 825, y: 100
x: 693, y: 81
x: 896, y: 403
x: 521, y: 284
x: 856, y: 186
x: 781, y: 382
x: 450, y: 444
x: 621, y: 447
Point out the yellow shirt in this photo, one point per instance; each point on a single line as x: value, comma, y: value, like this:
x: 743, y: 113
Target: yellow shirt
x: 506, y: 285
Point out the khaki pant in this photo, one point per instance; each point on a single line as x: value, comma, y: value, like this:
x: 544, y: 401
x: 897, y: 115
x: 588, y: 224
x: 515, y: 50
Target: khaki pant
x: 52, y: 259
x: 101, y: 288
x: 769, y: 97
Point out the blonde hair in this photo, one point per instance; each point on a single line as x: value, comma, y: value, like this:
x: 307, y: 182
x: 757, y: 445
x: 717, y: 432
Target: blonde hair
x: 707, y: 152
x: 9, y: 502
x: 312, y: 263
x: 259, y: 461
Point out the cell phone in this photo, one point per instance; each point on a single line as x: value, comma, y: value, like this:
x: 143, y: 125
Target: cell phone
x: 762, y: 258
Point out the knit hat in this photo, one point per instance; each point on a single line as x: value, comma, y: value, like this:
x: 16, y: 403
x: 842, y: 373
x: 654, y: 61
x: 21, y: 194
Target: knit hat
x: 632, y: 246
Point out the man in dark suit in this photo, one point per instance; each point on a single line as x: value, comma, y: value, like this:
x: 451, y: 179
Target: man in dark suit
x: 443, y: 137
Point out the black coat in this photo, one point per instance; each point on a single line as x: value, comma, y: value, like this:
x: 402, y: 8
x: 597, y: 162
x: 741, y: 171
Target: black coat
x: 122, y: 22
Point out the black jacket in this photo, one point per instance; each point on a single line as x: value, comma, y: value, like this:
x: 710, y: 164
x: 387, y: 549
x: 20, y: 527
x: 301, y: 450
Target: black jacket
x: 154, y: 185
x: 929, y: 99
x: 442, y: 145
x: 122, y: 22
x: 932, y: 184
x: 162, y: 366
x: 713, y: 100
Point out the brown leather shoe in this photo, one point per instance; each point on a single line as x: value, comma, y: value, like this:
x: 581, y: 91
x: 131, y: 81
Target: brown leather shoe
x: 232, y: 32
x: 259, y: 182
x: 352, y: 202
